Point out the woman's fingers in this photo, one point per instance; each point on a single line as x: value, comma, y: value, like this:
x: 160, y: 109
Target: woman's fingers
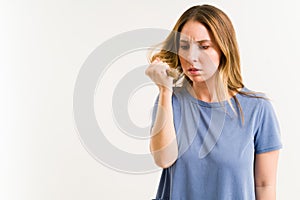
x: 157, y: 71
x: 172, y: 73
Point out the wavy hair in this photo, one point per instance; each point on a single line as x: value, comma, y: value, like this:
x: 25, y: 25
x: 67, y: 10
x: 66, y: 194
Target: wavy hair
x: 229, y: 80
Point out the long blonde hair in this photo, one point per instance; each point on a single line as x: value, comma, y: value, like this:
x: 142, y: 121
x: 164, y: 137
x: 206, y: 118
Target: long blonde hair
x: 221, y: 28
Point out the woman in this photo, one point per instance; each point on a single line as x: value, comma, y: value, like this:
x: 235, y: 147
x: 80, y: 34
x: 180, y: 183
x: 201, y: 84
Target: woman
x: 214, y: 138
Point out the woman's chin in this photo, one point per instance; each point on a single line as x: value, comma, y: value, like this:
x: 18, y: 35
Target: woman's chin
x: 198, y: 79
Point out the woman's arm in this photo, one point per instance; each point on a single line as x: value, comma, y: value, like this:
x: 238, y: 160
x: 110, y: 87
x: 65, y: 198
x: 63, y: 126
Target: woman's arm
x: 265, y: 171
x: 163, y: 144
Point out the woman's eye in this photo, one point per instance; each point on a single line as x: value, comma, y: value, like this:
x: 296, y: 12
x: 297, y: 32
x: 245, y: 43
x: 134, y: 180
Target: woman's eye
x: 203, y: 47
x: 184, y: 47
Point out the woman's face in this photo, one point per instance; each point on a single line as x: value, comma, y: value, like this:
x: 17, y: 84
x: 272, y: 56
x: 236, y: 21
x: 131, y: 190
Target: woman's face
x: 198, y: 53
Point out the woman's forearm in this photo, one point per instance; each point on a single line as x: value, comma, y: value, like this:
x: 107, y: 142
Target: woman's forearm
x: 163, y: 142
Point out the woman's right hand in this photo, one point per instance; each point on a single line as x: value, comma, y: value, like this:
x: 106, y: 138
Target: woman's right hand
x: 157, y: 71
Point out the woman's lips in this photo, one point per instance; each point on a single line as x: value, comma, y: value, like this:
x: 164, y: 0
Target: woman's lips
x: 194, y: 71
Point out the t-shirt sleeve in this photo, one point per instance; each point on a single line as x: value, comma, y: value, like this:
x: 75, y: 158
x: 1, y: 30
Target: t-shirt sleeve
x: 267, y: 136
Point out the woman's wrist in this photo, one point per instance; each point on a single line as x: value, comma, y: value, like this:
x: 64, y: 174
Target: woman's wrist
x: 165, y: 91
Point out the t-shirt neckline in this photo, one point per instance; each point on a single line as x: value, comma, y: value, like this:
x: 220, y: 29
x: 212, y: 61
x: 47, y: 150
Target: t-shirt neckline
x: 209, y: 104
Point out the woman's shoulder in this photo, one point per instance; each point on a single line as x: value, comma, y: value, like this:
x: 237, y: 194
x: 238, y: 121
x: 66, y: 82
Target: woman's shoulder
x: 251, y: 94
x: 251, y: 97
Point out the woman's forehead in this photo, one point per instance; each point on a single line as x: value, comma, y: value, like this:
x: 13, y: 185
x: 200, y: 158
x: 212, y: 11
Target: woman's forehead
x: 194, y: 31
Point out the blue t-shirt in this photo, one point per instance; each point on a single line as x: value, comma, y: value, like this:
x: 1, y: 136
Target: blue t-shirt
x: 216, y: 149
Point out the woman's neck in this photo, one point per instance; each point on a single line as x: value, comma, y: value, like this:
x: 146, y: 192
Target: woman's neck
x: 206, y: 91
x: 203, y: 91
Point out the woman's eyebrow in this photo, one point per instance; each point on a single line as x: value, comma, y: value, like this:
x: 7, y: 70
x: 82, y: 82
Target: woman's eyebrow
x: 199, y: 41
x: 184, y: 40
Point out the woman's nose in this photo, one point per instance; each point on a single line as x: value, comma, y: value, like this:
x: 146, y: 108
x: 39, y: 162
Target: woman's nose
x: 192, y: 55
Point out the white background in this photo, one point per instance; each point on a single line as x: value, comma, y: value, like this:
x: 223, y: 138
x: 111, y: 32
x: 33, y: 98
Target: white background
x: 42, y: 47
